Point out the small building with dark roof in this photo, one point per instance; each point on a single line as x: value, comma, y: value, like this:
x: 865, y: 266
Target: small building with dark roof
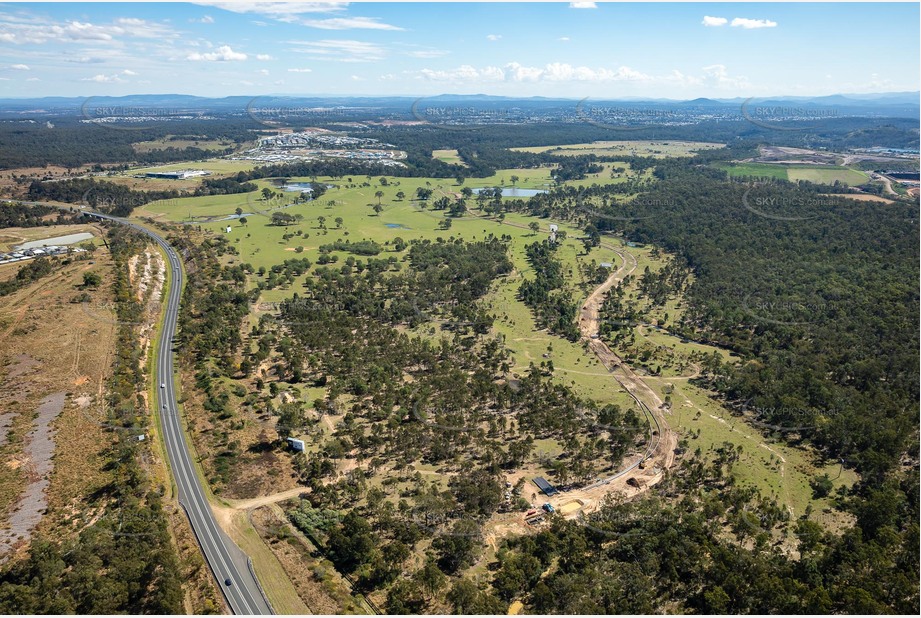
x: 544, y: 486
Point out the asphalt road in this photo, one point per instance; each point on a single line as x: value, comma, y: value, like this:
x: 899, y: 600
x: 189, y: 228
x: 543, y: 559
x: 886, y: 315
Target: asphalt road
x: 226, y: 560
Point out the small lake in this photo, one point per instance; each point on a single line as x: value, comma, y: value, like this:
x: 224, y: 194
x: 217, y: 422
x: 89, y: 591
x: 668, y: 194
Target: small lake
x: 57, y: 240
x: 396, y: 226
x: 297, y: 186
x: 515, y: 191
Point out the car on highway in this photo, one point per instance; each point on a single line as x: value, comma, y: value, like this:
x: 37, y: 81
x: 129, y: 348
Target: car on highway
x: 227, y: 582
x: 162, y: 384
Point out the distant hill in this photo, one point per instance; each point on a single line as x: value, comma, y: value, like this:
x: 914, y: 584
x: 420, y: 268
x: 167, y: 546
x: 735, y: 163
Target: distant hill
x: 901, y: 104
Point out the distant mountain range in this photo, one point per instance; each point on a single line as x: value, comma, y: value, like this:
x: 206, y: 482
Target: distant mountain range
x: 898, y: 104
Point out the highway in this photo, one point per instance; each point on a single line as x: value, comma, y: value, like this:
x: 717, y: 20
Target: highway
x: 227, y: 561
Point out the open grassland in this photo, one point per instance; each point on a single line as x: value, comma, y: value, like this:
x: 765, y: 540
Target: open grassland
x: 52, y: 345
x: 451, y: 157
x: 215, y: 166
x: 776, y: 469
x: 826, y: 174
x: 168, y: 142
x: 642, y: 148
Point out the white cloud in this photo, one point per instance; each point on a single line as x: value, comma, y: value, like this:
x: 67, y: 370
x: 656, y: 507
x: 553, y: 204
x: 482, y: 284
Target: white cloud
x: 86, y: 60
x: 341, y: 50
x: 263, y: 71
x: 264, y: 57
x: 300, y: 70
x: 515, y: 72
x: 493, y: 37
x: 749, y: 24
x: 128, y: 72
x: 103, y: 79
x: 348, y: 23
x: 207, y: 19
x: 714, y: 76
x: 717, y: 76
x: 223, y: 54
x: 275, y: 9
x: 20, y: 67
x: 427, y: 53
x: 582, y: 5
x: 564, y: 39
x: 33, y: 79
x: 520, y: 73
x: 462, y: 73
x: 35, y: 31
x: 714, y: 21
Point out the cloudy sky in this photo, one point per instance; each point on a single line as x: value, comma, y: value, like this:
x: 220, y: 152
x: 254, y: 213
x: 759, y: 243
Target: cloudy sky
x: 577, y: 50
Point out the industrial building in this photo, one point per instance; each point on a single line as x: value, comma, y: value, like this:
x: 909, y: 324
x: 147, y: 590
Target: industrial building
x: 178, y: 174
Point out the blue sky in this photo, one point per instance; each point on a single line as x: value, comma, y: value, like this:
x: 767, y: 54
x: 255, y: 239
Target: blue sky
x: 574, y: 50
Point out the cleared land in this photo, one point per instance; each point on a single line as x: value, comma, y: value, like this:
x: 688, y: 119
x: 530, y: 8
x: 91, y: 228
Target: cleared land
x: 450, y: 157
x: 643, y: 148
x: 170, y: 142
x: 826, y: 174
x: 11, y: 237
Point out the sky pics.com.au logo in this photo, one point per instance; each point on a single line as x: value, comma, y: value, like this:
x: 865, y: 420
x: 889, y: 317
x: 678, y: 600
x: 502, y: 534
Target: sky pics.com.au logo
x: 786, y: 117
x: 623, y: 118
x: 460, y: 117
x: 96, y: 110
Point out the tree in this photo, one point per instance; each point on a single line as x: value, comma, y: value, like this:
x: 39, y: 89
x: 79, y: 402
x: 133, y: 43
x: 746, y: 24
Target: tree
x: 457, y: 548
x: 534, y: 226
x: 239, y: 211
x: 514, y: 180
x: 377, y: 209
x: 423, y: 193
x: 338, y: 222
x: 243, y: 221
x: 91, y: 280
x: 378, y: 194
x: 400, y: 195
x: 431, y: 578
x: 468, y: 600
x: 267, y: 193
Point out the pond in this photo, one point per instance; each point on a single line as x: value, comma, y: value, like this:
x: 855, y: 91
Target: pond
x: 396, y: 226
x: 69, y: 239
x: 515, y: 191
x: 297, y: 186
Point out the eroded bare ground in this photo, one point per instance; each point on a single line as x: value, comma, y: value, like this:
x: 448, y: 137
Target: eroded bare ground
x: 36, y: 466
x: 54, y: 359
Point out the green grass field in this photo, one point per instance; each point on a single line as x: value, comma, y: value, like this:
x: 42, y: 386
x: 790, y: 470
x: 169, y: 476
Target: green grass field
x: 450, y: 157
x: 827, y: 174
x: 644, y: 148
x: 166, y: 142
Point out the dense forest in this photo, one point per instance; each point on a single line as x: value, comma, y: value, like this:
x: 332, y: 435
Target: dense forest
x: 70, y: 143
x: 546, y: 295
